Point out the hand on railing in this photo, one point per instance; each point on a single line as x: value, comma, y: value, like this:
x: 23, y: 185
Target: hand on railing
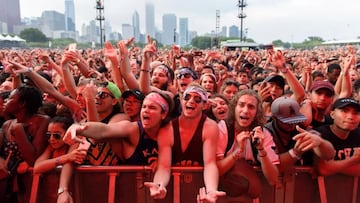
x: 70, y: 137
x: 208, y: 196
x: 157, y: 191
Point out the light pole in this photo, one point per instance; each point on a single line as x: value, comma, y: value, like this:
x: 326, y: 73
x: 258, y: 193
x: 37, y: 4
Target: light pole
x: 174, y: 35
x: 100, y: 17
x: 241, y: 4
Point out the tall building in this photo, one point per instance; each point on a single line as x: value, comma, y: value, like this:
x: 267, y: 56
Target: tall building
x: 234, y: 31
x: 183, y: 32
x: 150, y: 19
x: 69, y: 15
x: 10, y: 13
x: 53, y: 20
x: 136, y: 25
x: 169, y: 29
x: 223, y: 31
x: 127, y: 31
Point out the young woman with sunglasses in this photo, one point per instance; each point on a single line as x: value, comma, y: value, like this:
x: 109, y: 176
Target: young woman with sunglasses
x: 56, y: 152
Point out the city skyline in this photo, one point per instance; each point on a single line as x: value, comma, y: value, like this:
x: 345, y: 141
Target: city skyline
x: 265, y: 22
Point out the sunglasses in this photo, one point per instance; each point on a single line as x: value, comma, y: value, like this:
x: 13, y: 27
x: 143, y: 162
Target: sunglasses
x: 57, y: 136
x: 186, y: 75
x: 103, y: 95
x: 197, y: 99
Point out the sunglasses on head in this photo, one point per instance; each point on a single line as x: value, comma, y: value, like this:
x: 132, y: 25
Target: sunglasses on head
x: 186, y: 75
x: 197, y: 99
x: 55, y: 135
x: 103, y: 95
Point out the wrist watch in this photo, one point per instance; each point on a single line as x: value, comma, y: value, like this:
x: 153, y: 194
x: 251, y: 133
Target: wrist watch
x: 61, y: 190
x: 283, y: 69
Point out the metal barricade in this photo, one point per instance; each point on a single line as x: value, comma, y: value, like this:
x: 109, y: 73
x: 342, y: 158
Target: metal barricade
x: 116, y: 179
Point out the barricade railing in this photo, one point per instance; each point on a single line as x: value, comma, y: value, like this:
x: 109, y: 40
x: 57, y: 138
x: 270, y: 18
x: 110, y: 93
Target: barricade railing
x: 286, y: 193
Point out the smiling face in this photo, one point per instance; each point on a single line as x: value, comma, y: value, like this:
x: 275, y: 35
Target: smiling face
x: 192, y: 105
x: 220, y: 109
x: 346, y: 118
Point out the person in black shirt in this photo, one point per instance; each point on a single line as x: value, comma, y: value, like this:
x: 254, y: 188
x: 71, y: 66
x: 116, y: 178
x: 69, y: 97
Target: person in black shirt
x: 344, y: 135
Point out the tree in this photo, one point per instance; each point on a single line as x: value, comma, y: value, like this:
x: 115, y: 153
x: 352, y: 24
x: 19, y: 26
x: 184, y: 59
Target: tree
x: 33, y: 35
x: 201, y: 42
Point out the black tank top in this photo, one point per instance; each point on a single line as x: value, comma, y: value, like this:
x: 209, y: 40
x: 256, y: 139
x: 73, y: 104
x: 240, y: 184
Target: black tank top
x: 146, y: 150
x: 193, y: 155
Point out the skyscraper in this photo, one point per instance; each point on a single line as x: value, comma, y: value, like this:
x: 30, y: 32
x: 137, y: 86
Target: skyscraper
x: 183, y: 32
x: 234, y: 31
x: 169, y: 29
x: 150, y: 19
x: 10, y: 13
x: 69, y: 15
x: 136, y: 26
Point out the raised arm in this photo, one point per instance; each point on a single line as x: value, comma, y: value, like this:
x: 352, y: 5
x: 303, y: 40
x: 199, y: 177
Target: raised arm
x: 148, y: 52
x: 293, y: 82
x: 125, y: 68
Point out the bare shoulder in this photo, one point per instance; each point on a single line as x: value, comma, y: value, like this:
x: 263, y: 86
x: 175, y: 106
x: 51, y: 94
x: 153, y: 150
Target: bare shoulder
x: 119, y: 117
x: 210, y: 128
x: 40, y: 118
x: 165, y: 135
x: 209, y: 123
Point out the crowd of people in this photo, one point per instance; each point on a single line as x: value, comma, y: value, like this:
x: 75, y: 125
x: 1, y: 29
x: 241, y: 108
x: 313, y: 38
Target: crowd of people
x: 226, y: 110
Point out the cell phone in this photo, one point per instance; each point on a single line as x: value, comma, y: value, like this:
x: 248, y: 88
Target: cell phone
x: 255, y: 141
x: 72, y: 47
x: 198, y: 53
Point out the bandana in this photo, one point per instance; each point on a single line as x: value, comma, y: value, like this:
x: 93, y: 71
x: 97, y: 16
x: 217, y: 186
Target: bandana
x: 157, y: 98
x: 198, y: 91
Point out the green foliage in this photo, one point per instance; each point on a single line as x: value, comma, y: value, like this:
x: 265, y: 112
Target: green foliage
x: 201, y: 42
x: 33, y: 35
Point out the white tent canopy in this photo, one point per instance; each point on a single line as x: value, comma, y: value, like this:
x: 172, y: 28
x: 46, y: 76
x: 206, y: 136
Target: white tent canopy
x: 10, y: 38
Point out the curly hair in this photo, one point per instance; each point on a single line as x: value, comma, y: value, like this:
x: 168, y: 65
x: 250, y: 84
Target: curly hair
x: 259, y: 119
x: 31, y: 96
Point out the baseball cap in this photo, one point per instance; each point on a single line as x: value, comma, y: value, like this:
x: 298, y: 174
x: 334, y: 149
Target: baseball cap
x: 114, y: 89
x: 322, y: 85
x: 344, y: 102
x: 135, y: 92
x: 287, y: 111
x: 278, y: 79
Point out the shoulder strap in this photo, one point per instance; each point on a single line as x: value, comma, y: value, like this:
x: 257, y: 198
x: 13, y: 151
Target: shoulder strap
x: 231, y: 136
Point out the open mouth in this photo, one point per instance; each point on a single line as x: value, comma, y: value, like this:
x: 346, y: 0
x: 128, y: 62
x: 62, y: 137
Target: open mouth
x: 145, y: 117
x: 221, y: 112
x: 246, y: 118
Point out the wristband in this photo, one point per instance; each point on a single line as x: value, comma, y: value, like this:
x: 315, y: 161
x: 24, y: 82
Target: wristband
x: 58, y: 161
x: 62, y: 190
x: 294, y: 154
x: 29, y: 70
x: 143, y: 70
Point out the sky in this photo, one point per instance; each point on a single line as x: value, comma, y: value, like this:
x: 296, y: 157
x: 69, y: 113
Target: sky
x: 266, y: 21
